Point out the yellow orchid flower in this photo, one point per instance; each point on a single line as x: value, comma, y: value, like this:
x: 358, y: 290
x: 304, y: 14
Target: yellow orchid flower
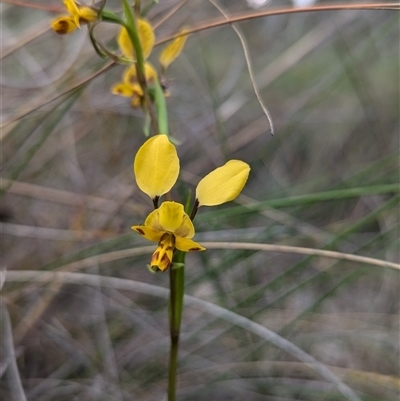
x: 156, y: 169
x: 172, y: 228
x: 129, y: 82
x: 77, y: 15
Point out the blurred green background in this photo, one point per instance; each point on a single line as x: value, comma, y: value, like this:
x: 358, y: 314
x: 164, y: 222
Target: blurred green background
x: 328, y: 179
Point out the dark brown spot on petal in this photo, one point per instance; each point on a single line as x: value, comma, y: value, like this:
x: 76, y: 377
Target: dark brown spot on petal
x: 169, y: 248
x: 140, y: 231
x: 194, y: 249
x: 154, y: 257
x: 62, y: 27
x: 165, y: 259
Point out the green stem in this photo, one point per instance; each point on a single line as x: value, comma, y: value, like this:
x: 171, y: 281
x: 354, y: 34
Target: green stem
x: 134, y: 37
x: 177, y: 283
x: 161, y: 106
x: 132, y: 30
x: 109, y: 16
x: 173, y: 363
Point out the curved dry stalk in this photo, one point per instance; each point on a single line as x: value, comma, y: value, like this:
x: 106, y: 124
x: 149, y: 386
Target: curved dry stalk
x: 301, y: 251
x: 38, y: 309
x: 287, y: 59
x: 127, y: 253
x: 280, y: 11
x: 245, y: 47
x: 217, y: 311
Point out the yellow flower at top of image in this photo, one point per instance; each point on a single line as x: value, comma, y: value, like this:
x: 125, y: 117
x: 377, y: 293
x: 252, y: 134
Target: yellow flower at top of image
x: 129, y: 86
x: 78, y: 15
x: 156, y: 169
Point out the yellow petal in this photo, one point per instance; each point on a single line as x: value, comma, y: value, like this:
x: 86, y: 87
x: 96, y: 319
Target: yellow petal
x: 129, y: 76
x: 71, y: 7
x: 125, y: 44
x: 150, y: 72
x: 148, y: 233
x: 187, y: 245
x: 87, y: 14
x: 170, y: 217
x: 137, y: 90
x: 172, y: 51
x: 146, y: 36
x: 153, y: 223
x: 223, y: 184
x: 64, y: 25
x: 162, y: 256
x: 156, y: 166
x: 136, y: 101
x: 122, y: 89
x: 130, y: 73
x: 174, y: 219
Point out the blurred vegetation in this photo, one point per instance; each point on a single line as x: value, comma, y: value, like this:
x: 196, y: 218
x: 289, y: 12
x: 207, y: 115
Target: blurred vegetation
x: 328, y: 179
